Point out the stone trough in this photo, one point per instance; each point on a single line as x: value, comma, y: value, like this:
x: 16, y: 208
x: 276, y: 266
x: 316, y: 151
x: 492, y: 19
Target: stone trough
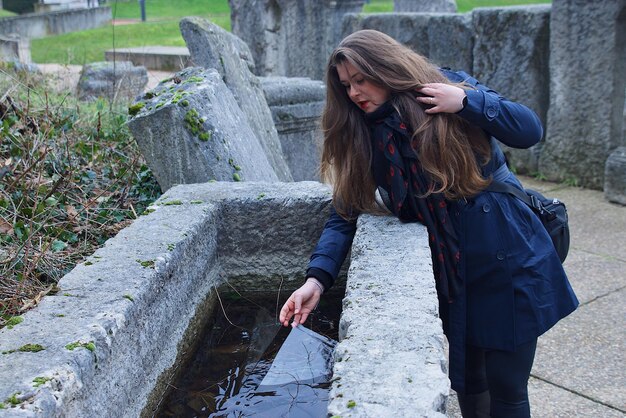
x: 115, y: 334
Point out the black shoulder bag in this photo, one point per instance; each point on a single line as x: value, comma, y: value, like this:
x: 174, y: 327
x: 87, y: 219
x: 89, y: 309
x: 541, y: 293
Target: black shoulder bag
x: 551, y: 212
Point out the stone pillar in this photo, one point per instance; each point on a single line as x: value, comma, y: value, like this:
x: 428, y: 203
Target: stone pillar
x: 296, y: 105
x: 290, y: 37
x: 441, y: 6
x: 587, y: 68
x: 511, y: 55
x: 615, y: 176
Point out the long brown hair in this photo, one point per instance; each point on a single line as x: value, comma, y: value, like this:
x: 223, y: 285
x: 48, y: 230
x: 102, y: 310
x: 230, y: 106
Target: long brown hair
x: 448, y: 148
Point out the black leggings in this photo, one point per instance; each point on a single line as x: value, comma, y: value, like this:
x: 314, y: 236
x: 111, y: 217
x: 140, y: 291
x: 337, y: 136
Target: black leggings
x: 504, y: 374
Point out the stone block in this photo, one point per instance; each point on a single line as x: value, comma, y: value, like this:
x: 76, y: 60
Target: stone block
x: 291, y: 37
x: 212, y: 47
x: 120, y: 80
x: 14, y: 48
x: 615, y: 176
x: 446, y: 39
x: 587, y: 67
x: 296, y: 105
x: 190, y: 129
x: 162, y: 58
x: 423, y: 6
x: 380, y: 369
x: 511, y: 54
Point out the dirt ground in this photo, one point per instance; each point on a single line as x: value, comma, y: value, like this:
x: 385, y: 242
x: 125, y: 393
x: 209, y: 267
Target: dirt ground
x: 65, y: 77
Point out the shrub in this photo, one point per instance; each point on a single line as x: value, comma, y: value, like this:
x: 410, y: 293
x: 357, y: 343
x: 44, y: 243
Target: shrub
x: 71, y: 176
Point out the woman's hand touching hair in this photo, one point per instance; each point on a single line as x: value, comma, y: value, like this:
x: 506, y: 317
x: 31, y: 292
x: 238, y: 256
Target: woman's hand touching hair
x: 441, y: 97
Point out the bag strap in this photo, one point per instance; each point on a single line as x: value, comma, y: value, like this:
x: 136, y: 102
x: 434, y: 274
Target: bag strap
x: 530, y: 200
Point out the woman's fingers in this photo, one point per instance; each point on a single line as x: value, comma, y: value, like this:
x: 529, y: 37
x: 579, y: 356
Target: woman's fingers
x: 441, y: 97
x: 287, y: 311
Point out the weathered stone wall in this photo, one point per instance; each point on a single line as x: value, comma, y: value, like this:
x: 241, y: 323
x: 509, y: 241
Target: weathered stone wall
x: 528, y: 55
x: 587, y: 80
x: 39, y: 25
x: 511, y: 54
x: 446, y: 39
x: 134, y: 307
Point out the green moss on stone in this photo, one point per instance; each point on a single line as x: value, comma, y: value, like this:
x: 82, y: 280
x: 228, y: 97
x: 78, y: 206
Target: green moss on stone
x: 89, y: 346
x: 13, y: 321
x: 236, y: 177
x: 13, y: 399
x: 173, y: 203
x: 38, y: 381
x: 136, y: 108
x: 146, y: 264
x: 31, y: 348
x: 129, y: 297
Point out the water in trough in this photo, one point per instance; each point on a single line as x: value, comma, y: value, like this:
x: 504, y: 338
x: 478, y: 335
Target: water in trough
x: 247, y: 365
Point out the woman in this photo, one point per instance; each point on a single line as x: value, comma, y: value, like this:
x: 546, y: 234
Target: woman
x: 425, y: 139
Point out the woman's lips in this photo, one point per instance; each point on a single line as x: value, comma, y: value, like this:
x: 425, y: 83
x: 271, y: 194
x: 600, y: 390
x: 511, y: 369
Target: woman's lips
x: 363, y: 105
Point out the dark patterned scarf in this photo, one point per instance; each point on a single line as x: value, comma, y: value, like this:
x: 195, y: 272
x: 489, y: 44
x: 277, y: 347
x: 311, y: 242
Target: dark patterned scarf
x: 401, y: 180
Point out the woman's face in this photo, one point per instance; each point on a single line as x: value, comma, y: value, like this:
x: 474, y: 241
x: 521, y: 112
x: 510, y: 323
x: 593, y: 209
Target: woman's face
x: 365, y: 94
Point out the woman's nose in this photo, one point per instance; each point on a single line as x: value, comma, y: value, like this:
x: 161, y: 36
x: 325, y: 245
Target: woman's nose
x: 353, y: 92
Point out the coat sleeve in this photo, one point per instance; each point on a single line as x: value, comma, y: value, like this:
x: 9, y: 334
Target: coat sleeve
x: 332, y: 249
x: 509, y: 122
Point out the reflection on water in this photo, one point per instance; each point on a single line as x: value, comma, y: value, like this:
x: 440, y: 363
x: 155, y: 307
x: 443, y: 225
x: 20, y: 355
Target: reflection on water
x: 234, y: 356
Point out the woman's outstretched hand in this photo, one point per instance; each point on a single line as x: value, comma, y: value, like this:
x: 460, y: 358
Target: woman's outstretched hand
x: 301, y: 303
x: 443, y: 98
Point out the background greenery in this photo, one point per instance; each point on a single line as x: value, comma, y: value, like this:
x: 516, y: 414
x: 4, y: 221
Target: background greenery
x: 161, y: 27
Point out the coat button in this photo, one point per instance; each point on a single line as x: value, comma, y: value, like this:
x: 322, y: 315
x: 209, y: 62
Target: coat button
x: 486, y: 207
x: 500, y: 255
x: 491, y: 112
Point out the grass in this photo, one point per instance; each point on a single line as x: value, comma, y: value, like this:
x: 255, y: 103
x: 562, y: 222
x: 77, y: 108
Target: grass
x: 168, y: 9
x: 382, y: 6
x: 6, y: 13
x: 161, y: 27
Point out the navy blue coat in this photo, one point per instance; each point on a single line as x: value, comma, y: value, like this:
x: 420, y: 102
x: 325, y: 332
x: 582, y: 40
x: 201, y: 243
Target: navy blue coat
x: 515, y: 286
